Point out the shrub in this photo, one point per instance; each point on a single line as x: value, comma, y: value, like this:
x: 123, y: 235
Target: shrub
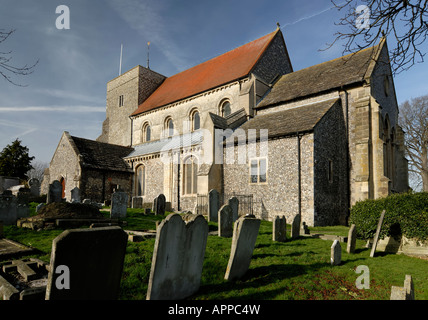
x: 405, y: 213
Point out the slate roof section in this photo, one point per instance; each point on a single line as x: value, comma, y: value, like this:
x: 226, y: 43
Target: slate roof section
x: 210, y: 74
x: 103, y: 156
x: 333, y: 74
x: 291, y: 121
x: 231, y: 121
x: 179, y: 141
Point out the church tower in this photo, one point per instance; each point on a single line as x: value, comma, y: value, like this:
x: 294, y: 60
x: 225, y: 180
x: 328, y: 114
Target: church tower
x: 124, y: 94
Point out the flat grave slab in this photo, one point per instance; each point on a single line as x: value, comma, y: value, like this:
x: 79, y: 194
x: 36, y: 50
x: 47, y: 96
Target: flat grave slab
x: 10, y: 248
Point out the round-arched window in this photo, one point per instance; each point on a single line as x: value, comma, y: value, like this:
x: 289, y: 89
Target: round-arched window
x: 225, y: 108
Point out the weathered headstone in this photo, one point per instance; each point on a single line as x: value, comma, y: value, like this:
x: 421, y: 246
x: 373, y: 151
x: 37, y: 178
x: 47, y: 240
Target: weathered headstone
x: 244, y: 239
x: 22, y: 203
x: 75, y: 195
x: 54, y: 192
x: 279, y: 229
x: 336, y: 253
x: 90, y: 261
x: 376, y: 238
x: 160, y: 205
x: 295, y: 226
x: 39, y: 206
x: 137, y: 202
x: 86, y: 201
x: 119, y: 204
x: 404, y: 293
x: 305, y: 228
x: 234, y: 205
x: 8, y: 208
x: 177, y: 258
x: 213, y: 205
x: 225, y: 221
x: 34, y: 186
x: 352, y: 238
x: 147, y: 211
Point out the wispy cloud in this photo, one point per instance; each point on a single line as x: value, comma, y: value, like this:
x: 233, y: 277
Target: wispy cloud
x: 63, y: 94
x: 69, y: 109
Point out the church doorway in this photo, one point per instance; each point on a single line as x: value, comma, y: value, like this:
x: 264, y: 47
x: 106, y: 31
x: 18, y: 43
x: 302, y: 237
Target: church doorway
x: 62, y: 181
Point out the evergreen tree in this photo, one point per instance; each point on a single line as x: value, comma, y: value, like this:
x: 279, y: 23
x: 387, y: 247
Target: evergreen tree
x: 15, y: 160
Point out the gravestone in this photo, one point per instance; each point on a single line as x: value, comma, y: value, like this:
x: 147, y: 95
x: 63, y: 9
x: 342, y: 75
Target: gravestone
x: 225, y: 221
x: 177, y: 257
x: 22, y: 203
x: 244, y: 239
x: 137, y: 202
x: 305, y: 228
x: 75, y: 195
x: 147, y: 211
x: 352, y: 238
x: 376, y: 238
x: 160, y: 205
x: 1, y: 229
x: 295, y: 226
x: 404, y: 293
x: 34, y: 186
x: 119, y: 204
x: 54, y: 192
x: 94, y: 260
x: 336, y: 253
x: 213, y: 205
x: 8, y: 208
x: 39, y: 206
x: 234, y: 205
x: 279, y: 229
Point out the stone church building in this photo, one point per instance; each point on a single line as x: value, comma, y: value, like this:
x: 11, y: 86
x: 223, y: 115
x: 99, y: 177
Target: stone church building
x: 312, y: 141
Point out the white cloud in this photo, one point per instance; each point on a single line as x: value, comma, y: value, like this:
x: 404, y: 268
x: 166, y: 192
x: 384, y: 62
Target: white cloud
x: 69, y: 109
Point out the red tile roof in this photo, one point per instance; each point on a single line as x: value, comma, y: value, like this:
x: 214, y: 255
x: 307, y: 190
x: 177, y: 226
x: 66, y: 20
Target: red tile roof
x: 223, y: 69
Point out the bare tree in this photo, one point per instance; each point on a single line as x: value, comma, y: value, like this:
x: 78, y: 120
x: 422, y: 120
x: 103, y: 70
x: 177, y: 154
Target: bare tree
x: 38, y: 170
x: 7, y: 70
x: 365, y: 22
x: 413, y: 118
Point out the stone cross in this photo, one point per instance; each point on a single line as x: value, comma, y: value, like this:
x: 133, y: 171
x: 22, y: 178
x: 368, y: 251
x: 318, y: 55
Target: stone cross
x: 279, y: 229
x: 376, y: 238
x: 177, y: 257
x: 225, y: 221
x: 23, y: 268
x: 352, y: 238
x: 244, y: 239
x: 90, y: 261
x: 336, y: 253
x: 213, y: 205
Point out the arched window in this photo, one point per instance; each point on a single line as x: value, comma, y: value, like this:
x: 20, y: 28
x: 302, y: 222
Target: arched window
x: 225, y: 108
x: 169, y: 127
x: 196, y: 120
x: 146, y: 134
x: 190, y: 174
x: 140, y: 185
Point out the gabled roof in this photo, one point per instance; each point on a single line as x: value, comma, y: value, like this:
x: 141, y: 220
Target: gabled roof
x: 231, y: 121
x: 223, y: 69
x: 333, y: 74
x: 100, y: 155
x: 290, y: 121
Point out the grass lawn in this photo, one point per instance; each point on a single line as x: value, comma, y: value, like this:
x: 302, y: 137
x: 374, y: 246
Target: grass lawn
x: 297, y: 269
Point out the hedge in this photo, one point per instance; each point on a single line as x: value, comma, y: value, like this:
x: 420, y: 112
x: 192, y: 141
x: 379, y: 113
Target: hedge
x: 405, y: 214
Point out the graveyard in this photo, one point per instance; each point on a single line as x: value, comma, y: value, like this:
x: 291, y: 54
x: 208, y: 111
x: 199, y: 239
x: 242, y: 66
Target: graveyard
x: 294, y: 268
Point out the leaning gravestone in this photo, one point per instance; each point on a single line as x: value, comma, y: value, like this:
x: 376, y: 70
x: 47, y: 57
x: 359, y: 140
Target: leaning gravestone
x: 295, y: 226
x: 352, y: 238
x: 243, y: 242
x: 279, y: 229
x: 119, y: 204
x: 86, y: 264
x: 54, y: 192
x: 336, y: 253
x: 213, y: 205
x: 177, y: 257
x: 160, y: 205
x: 75, y: 195
x: 376, y: 238
x: 225, y: 221
x: 234, y: 205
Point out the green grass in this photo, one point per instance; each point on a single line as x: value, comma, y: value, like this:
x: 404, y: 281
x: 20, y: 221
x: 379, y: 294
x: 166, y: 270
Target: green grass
x: 297, y: 269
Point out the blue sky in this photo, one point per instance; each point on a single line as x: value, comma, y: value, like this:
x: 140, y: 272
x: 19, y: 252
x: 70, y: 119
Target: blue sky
x: 67, y: 90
